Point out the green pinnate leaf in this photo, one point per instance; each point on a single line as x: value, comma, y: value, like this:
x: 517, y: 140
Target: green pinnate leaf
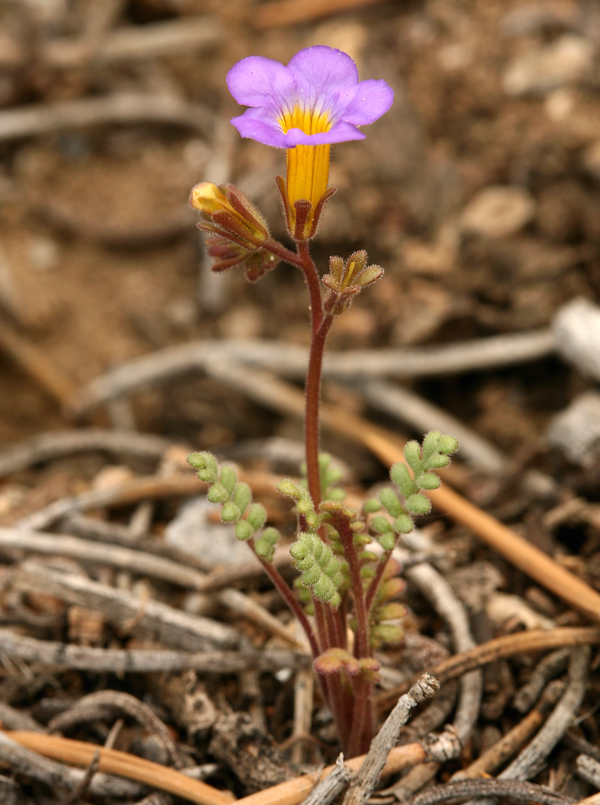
x: 402, y: 478
x: 230, y: 513
x: 335, y: 494
x: 371, y: 506
x: 390, y: 501
x: 228, y: 477
x: 217, y: 494
x: 418, y: 504
x: 391, y: 588
x: 243, y: 530
x: 242, y: 495
x: 257, y: 516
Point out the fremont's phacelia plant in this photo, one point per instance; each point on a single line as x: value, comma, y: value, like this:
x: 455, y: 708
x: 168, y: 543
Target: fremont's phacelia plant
x: 348, y: 580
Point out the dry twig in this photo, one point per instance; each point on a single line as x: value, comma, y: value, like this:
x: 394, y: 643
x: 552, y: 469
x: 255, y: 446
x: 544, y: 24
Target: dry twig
x: 370, y: 771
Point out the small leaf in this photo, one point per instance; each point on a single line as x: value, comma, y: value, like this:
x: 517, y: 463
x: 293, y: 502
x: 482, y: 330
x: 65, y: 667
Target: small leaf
x: 431, y: 444
x: 290, y: 489
x: 428, y: 481
x: 380, y: 524
x: 387, y: 541
x: 371, y: 506
x: 257, y: 515
x: 230, y: 513
x: 217, y: 494
x: 418, y: 504
x: 402, y: 478
x: 243, y: 530
x: 412, y: 454
x: 228, y: 477
x: 403, y: 524
x: 390, y: 501
x: 448, y: 445
x: 242, y: 496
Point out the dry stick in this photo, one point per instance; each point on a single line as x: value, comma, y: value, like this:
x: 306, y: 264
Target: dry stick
x: 151, y: 619
x: 545, y: 670
x: 290, y: 12
x: 152, y: 487
x: 138, y: 661
x: 531, y: 560
x: 588, y: 769
x: 520, y: 791
x: 143, y: 564
x: 50, y: 446
x: 509, y: 744
x: 114, y: 762
x: 124, y: 702
x: 437, y: 590
x: 289, y: 361
x: 328, y: 789
x: 499, y: 649
x: 528, y: 762
x: 138, y: 562
x: 133, y: 43
x: 370, y: 771
x: 33, y: 362
x: 121, y: 108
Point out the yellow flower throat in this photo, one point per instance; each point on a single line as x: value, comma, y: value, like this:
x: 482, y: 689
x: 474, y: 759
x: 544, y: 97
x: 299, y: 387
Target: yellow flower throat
x: 307, y: 165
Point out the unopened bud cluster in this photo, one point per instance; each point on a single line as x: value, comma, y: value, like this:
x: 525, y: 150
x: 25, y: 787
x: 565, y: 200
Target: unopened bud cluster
x: 347, y: 279
x: 238, y: 230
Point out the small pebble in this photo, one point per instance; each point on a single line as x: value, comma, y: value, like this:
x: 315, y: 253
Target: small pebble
x: 498, y: 212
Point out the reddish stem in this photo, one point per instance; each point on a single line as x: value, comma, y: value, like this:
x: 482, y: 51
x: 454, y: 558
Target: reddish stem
x: 376, y: 580
x: 362, y: 647
x: 289, y: 599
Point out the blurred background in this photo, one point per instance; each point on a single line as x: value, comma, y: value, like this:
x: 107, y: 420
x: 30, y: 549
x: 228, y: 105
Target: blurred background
x: 479, y: 193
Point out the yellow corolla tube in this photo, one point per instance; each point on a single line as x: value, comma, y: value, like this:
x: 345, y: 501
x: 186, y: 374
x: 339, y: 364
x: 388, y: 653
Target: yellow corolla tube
x: 307, y: 165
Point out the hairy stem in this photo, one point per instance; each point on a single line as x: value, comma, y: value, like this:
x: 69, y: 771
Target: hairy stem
x: 376, y: 580
x: 290, y: 599
x: 362, y: 646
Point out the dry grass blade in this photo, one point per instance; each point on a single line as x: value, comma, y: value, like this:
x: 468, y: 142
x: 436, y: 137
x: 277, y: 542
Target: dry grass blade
x: 112, y: 761
x: 289, y: 12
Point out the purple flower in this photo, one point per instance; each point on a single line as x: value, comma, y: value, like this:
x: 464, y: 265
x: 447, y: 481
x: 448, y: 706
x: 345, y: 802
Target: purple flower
x: 316, y: 100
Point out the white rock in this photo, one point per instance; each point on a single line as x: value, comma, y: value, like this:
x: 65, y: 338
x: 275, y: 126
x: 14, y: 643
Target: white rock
x: 498, y: 212
x: 567, y: 60
x: 576, y: 430
x: 214, y: 543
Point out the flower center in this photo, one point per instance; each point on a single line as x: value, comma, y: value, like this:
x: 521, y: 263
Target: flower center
x: 310, y: 121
